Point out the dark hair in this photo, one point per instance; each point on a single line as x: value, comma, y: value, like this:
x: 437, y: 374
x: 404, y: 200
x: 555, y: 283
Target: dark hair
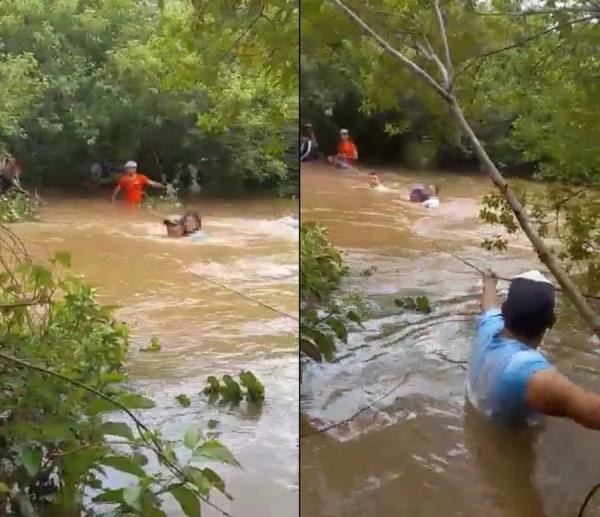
x: 529, y: 308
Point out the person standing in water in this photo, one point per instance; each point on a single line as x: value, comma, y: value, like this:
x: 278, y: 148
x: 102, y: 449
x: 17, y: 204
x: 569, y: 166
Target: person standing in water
x: 374, y: 180
x: 510, y: 382
x: 132, y: 184
x: 347, y: 152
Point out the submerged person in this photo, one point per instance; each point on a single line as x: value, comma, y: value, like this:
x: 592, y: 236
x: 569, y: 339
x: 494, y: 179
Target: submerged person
x: 374, y: 180
x: 510, y: 382
x: 421, y: 193
x: 188, y: 224
x: 132, y: 183
x: 347, y: 152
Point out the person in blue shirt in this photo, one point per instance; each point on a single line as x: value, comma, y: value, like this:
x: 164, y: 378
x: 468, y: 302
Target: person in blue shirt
x: 510, y: 381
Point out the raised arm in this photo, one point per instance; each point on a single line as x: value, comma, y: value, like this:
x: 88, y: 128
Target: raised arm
x: 156, y: 184
x: 553, y: 394
x: 116, y: 192
x: 489, y: 296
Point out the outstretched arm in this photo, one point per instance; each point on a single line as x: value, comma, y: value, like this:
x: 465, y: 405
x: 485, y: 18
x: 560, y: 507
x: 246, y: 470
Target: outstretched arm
x: 489, y: 296
x: 553, y: 394
x: 116, y: 192
x: 156, y: 184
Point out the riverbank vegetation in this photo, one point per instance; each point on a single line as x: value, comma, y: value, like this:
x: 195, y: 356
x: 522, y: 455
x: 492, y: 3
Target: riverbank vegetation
x: 67, y: 414
x: 325, y: 313
x: 167, y: 82
x: 497, y: 85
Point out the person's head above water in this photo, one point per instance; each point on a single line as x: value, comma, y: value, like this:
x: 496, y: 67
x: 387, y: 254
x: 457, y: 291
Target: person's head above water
x: 529, y: 307
x: 130, y: 167
x: 344, y: 135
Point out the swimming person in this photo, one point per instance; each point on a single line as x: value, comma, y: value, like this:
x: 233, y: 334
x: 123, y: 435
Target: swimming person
x: 421, y: 193
x: 510, y: 382
x: 132, y: 184
x: 374, y: 180
x: 186, y: 225
x: 347, y: 152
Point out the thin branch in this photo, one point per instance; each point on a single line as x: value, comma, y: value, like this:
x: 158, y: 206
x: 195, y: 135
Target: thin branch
x: 23, y: 303
x: 538, y: 12
x: 521, y: 42
x: 442, y: 24
x: 357, y: 413
x: 416, y: 69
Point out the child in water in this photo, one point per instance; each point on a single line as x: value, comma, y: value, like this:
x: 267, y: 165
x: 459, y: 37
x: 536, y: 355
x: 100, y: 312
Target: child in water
x: 183, y: 226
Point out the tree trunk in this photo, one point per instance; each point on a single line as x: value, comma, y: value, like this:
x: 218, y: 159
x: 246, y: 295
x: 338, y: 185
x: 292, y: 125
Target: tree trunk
x: 545, y: 255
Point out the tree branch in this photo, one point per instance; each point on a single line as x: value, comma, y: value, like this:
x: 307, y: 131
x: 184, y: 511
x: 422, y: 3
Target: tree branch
x: 416, y: 69
x: 442, y: 25
x: 521, y: 43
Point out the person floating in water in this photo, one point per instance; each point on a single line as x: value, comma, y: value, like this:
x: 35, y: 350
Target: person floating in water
x: 510, y: 382
x: 186, y: 225
x: 132, y: 184
x: 374, y: 180
x: 347, y: 153
x: 427, y: 195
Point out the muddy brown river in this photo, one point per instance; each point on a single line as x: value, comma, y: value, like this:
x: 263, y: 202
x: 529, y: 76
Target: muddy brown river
x: 204, y: 330
x: 419, y: 451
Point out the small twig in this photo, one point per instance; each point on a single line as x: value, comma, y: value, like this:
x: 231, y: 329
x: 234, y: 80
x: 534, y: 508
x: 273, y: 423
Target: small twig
x: 520, y: 43
x: 23, y: 303
x: 361, y: 410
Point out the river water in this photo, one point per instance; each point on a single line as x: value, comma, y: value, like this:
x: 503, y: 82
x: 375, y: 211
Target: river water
x: 419, y: 451
x: 204, y: 330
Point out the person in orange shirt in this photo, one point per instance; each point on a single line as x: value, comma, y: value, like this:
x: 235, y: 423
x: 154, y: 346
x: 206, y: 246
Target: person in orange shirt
x: 347, y: 152
x: 132, y: 184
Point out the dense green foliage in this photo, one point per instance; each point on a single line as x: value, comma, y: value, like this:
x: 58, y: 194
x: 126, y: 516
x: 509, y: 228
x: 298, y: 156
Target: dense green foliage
x: 528, y: 83
x: 67, y: 416
x: 166, y: 83
x: 325, y: 315
x: 15, y: 207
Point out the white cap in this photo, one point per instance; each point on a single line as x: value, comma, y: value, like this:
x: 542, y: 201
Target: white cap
x: 534, y: 275
x: 343, y: 131
x: 131, y: 165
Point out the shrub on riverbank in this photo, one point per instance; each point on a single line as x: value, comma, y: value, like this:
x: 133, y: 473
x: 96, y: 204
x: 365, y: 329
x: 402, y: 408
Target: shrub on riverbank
x: 63, y: 402
x: 16, y: 207
x: 324, y: 315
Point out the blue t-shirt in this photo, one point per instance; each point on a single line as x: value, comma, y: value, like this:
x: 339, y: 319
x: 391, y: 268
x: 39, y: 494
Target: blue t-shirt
x: 499, y: 371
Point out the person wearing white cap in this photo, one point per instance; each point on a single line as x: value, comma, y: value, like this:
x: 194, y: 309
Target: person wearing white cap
x: 132, y: 184
x: 510, y: 381
x: 347, y: 153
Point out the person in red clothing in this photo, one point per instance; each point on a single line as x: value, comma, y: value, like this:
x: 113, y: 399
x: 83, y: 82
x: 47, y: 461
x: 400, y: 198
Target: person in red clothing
x: 347, y: 152
x: 132, y: 184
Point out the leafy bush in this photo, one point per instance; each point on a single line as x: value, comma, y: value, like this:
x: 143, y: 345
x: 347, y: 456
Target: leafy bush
x: 229, y: 390
x: 15, y: 207
x: 62, y: 378
x: 324, y: 316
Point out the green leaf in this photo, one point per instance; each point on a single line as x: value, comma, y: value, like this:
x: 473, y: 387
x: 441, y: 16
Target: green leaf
x: 131, y: 401
x: 110, y: 496
x: 131, y: 495
x: 230, y: 390
x: 212, y: 386
x: 339, y: 328
x: 214, y: 450
x: 187, y: 500
x: 117, y: 429
x: 215, y: 480
x: 201, y: 482
x: 124, y: 464
x: 31, y: 457
x: 192, y: 437
x: 4, y: 488
x: 183, y: 400
x: 255, y: 389
x: 63, y: 258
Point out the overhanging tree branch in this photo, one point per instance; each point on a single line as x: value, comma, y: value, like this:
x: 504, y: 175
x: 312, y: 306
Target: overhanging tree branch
x: 566, y: 283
